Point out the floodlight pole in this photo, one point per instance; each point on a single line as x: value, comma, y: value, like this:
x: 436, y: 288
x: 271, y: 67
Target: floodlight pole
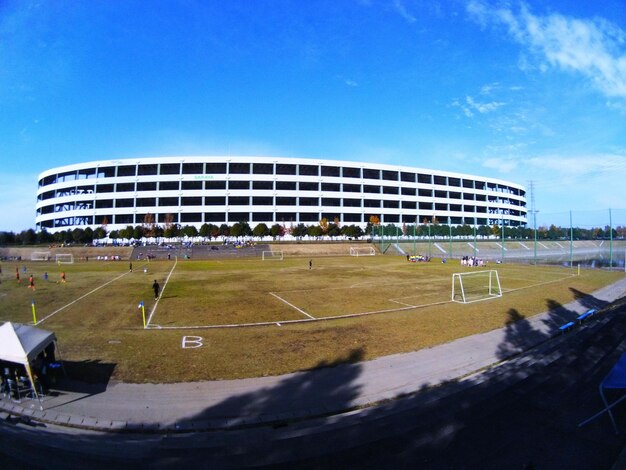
x: 414, y: 227
x: 429, y: 241
x: 474, y: 238
x: 571, y: 240
x: 611, y: 240
x: 502, y: 248
x: 450, y: 247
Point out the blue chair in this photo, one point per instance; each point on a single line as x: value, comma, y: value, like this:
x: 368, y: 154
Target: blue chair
x: 585, y: 315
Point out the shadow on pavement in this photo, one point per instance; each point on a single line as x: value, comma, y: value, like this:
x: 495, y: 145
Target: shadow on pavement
x: 330, y: 383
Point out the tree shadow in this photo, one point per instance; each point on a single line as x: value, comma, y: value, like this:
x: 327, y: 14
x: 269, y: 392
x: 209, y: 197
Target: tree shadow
x: 330, y: 383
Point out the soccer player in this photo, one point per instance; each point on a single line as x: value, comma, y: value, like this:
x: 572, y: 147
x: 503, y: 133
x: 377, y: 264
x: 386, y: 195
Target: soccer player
x: 156, y: 288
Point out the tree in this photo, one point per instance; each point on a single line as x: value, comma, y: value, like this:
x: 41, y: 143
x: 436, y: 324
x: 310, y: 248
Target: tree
x: 168, y: 220
x: 299, y: 230
x: 240, y: 229
x: 138, y: 232
x: 100, y: 232
x: 334, y: 230
x: 148, y: 225
x: 261, y: 230
x: 172, y: 231
x: 224, y: 230
x: 125, y: 232
x: 277, y: 230
x: 324, y: 225
x: 353, y: 231
x: 28, y: 237
x: 315, y: 231
x: 42, y: 237
x: 190, y: 231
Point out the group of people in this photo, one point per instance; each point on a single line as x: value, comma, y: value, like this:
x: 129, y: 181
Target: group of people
x: 417, y: 258
x: 31, y: 277
x: 472, y: 261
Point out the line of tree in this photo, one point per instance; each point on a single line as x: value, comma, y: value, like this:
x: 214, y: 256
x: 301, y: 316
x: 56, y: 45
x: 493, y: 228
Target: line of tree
x: 323, y: 228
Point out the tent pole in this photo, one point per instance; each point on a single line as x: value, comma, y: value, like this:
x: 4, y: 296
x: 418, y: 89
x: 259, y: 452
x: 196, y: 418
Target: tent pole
x: 32, y: 384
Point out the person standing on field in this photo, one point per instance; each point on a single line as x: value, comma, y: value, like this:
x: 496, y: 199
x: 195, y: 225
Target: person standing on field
x: 156, y: 288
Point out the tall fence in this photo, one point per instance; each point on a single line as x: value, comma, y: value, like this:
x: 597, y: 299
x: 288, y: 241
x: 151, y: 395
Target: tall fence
x: 585, y: 238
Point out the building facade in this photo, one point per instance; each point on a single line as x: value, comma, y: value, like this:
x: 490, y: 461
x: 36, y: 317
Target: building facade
x: 218, y: 190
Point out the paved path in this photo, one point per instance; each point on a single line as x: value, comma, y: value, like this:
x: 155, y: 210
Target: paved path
x: 297, y: 396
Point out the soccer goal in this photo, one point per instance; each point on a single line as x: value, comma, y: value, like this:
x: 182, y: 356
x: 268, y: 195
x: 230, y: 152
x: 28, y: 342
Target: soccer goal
x: 362, y: 251
x: 272, y: 256
x: 475, y: 286
x: 64, y: 258
x: 40, y: 256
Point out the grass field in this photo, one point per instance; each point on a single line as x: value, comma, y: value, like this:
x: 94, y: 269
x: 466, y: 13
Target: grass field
x: 250, y: 317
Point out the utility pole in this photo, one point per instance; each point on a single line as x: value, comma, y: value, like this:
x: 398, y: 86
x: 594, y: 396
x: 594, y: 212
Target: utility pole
x: 533, y: 211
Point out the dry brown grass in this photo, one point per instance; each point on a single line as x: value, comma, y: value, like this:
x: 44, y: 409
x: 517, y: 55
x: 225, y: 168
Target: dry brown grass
x: 106, y: 324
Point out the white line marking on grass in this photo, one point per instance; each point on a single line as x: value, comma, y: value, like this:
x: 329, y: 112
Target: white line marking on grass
x: 402, y: 303
x: 293, y: 306
x: 82, y: 297
x: 161, y: 294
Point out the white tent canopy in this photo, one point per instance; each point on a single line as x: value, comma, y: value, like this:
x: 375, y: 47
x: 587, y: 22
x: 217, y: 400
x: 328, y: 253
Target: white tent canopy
x: 22, y: 343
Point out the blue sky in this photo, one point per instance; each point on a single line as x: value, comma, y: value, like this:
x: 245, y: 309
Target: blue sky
x: 521, y: 91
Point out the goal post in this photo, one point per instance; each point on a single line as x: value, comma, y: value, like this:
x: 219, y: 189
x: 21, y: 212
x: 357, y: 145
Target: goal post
x: 476, y: 286
x: 272, y: 255
x: 40, y: 256
x: 362, y: 251
x: 64, y: 258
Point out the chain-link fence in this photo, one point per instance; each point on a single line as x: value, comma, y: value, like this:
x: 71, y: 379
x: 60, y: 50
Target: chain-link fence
x: 584, y: 238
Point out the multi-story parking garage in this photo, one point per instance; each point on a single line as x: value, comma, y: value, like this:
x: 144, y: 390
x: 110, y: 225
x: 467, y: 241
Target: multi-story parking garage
x: 217, y: 190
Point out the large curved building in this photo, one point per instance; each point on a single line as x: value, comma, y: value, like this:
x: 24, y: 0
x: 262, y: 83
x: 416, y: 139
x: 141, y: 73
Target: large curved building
x: 217, y: 190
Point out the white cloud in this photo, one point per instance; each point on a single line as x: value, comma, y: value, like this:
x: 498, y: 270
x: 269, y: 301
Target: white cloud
x: 470, y: 106
x: 403, y: 12
x: 593, y: 48
x: 502, y: 165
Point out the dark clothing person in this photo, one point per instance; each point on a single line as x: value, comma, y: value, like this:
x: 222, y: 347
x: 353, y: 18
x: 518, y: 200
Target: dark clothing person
x: 156, y: 288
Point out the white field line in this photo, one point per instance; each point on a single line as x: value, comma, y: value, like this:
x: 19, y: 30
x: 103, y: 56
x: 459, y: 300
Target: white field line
x: 539, y: 243
x: 523, y: 245
x: 601, y: 243
x: 304, y: 320
x: 336, y: 317
x: 161, y: 293
x: 81, y: 297
x: 402, y: 303
x: 439, y: 248
x: 473, y: 247
x: 562, y: 247
x: 504, y: 248
x: 293, y: 306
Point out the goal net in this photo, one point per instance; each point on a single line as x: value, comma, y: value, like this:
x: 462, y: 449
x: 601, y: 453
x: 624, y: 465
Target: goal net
x: 362, y: 251
x: 272, y: 255
x: 40, y: 256
x: 475, y: 286
x: 64, y: 258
